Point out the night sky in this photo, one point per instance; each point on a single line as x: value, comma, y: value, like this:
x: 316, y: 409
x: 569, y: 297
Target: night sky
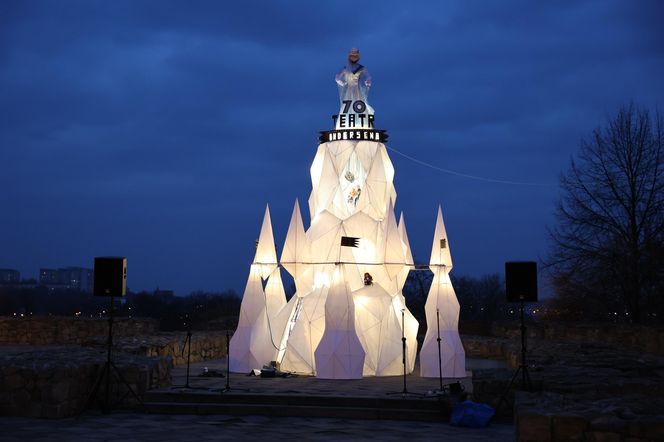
x: 159, y: 130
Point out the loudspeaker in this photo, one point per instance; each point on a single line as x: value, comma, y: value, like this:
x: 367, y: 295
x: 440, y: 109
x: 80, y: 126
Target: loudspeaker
x: 521, y: 281
x: 110, y: 276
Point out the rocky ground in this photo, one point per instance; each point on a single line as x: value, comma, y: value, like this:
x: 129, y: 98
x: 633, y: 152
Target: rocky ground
x: 580, y: 391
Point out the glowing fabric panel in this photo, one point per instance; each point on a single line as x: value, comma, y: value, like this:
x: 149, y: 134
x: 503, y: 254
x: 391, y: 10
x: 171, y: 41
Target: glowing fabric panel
x: 249, y: 347
x: 296, y: 255
x: 440, y: 249
x: 339, y: 354
x: 266, y: 254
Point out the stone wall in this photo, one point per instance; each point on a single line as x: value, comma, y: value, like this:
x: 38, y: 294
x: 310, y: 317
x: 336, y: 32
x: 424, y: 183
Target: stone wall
x: 633, y: 337
x: 54, y: 330
x: 204, y: 346
x: 48, y: 365
x: 56, y: 381
x: 553, y: 417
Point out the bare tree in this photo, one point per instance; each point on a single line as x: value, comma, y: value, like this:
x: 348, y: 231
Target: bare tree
x: 607, y: 249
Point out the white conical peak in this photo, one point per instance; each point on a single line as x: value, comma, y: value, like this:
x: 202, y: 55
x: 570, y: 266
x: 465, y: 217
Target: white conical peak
x: 296, y: 254
x: 404, y: 240
x: 440, y: 249
x: 266, y: 254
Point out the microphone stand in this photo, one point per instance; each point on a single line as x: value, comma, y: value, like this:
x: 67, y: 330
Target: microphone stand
x: 228, y: 388
x: 440, y: 362
x: 187, y: 344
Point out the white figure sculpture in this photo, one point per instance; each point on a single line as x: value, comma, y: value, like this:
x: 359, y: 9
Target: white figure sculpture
x: 354, y: 82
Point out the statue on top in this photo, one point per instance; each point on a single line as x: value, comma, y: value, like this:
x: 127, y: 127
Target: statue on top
x: 354, y: 82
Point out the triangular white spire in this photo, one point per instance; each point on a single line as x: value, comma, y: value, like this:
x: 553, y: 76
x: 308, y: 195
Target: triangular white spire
x: 440, y: 249
x: 266, y: 254
x: 404, y: 240
x: 296, y: 254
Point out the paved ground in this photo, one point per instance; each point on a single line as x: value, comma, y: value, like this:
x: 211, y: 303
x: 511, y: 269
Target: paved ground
x: 136, y: 426
x: 159, y: 428
x: 365, y: 387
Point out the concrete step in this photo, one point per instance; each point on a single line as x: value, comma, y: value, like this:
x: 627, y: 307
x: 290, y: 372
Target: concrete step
x: 342, y: 412
x: 235, y: 403
x: 389, y: 401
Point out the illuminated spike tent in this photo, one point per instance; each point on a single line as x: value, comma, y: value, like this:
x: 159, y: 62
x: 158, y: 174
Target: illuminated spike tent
x: 348, y: 315
x: 442, y: 313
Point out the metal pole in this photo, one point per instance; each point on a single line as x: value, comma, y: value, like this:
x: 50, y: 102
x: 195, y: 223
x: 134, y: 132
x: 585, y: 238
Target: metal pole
x: 188, y: 355
x: 228, y: 361
x: 440, y: 363
x: 403, y: 348
x: 109, y: 346
x: 523, y: 348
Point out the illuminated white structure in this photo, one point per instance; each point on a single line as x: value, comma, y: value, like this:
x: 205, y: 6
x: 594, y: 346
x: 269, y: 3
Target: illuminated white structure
x: 252, y: 344
x: 348, y: 314
x: 442, y: 313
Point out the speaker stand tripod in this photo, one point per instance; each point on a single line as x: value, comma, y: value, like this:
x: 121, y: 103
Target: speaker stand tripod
x: 228, y: 388
x: 106, y: 372
x: 523, y: 366
x: 405, y: 391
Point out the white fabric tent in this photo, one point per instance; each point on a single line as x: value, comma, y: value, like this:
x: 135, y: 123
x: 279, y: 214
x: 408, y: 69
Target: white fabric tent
x: 338, y: 325
x: 345, y: 329
x: 442, y: 313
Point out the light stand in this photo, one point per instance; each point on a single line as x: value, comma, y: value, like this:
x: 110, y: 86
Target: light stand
x: 405, y: 391
x: 228, y: 388
x: 440, y: 360
x: 523, y: 367
x: 105, y: 373
x: 187, y: 344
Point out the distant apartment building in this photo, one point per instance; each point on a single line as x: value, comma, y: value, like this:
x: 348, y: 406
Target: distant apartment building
x: 9, y: 276
x: 73, y: 278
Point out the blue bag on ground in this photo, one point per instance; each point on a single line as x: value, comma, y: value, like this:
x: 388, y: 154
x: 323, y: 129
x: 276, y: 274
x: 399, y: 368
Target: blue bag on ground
x: 471, y: 414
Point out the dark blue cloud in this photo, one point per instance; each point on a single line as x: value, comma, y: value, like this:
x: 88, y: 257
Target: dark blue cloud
x: 159, y: 130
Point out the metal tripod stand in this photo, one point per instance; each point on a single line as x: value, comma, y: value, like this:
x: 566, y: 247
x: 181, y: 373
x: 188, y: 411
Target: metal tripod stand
x: 525, y: 383
x: 405, y: 391
x: 187, y: 344
x: 228, y: 388
x: 106, y: 372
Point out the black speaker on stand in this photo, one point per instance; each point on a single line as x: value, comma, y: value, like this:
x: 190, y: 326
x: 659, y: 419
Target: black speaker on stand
x: 521, y: 287
x: 110, y: 280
